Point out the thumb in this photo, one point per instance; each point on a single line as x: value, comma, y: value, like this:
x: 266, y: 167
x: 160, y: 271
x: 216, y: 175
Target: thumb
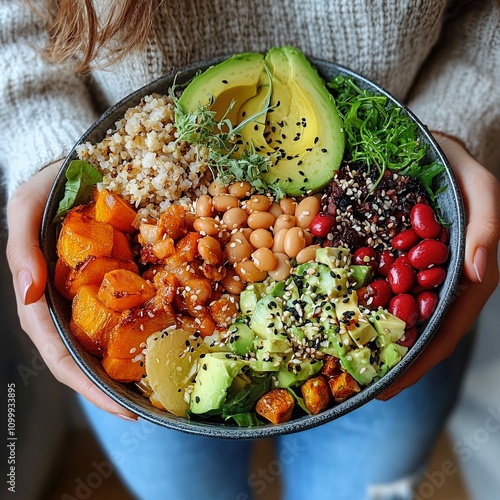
x: 24, y: 216
x: 481, y: 194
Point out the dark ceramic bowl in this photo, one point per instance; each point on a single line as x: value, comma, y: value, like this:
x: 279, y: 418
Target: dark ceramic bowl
x: 452, y: 210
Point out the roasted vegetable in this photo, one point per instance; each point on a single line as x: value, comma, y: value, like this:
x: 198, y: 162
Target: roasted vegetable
x: 172, y: 222
x: 114, y: 210
x: 343, y: 387
x: 316, y: 394
x: 276, y: 406
x: 85, y: 341
x: 121, y: 246
x: 61, y: 272
x: 124, y: 370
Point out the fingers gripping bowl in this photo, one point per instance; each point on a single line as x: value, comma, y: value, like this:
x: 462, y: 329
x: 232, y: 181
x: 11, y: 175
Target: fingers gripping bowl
x: 417, y: 292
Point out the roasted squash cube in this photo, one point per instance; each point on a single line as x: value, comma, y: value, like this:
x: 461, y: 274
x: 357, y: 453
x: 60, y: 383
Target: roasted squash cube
x: 172, y: 222
x: 124, y: 370
x: 331, y: 366
x: 61, y: 272
x: 122, y: 289
x: 113, y: 209
x: 92, y: 316
x: 84, y: 340
x: 276, y: 406
x: 343, y: 387
x: 122, y: 249
x: 316, y: 394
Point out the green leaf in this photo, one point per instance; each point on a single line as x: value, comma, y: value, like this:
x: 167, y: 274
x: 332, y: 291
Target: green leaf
x: 246, y: 399
x: 247, y: 419
x: 299, y: 400
x: 81, y: 177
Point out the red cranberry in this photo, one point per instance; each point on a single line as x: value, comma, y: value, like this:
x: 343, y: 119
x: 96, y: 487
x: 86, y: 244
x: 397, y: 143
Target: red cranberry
x: 385, y: 261
x: 405, y: 240
x: 409, y: 338
x: 428, y: 253
x: 427, y: 302
x: 366, y: 256
x: 430, y: 278
x: 405, y: 307
x: 377, y: 294
x: 424, y: 222
x: 322, y: 225
x: 401, y: 277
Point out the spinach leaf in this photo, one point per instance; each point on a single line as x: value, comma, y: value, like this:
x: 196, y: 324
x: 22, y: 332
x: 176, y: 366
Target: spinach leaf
x: 247, y: 419
x: 299, y: 400
x: 81, y: 177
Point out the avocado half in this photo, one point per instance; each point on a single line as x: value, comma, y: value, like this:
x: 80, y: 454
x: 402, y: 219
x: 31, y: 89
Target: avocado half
x: 302, y: 131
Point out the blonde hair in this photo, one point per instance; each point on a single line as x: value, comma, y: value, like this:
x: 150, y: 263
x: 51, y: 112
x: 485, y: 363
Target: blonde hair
x: 77, y: 34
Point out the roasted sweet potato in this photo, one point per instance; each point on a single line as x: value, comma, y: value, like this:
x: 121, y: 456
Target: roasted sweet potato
x: 124, y: 370
x: 224, y: 311
x: 172, y: 221
x: 61, y: 272
x: 316, y: 394
x: 84, y: 340
x: 343, y: 386
x: 129, y: 335
x: 113, y: 209
x: 92, y: 270
x: 187, y: 247
x: 123, y: 289
x: 331, y: 366
x: 276, y: 406
x: 122, y: 248
x: 163, y: 248
x: 166, y: 285
x: 92, y: 316
x: 81, y: 236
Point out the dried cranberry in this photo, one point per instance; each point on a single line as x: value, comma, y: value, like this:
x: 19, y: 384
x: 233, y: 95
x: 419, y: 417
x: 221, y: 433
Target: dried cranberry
x: 321, y: 225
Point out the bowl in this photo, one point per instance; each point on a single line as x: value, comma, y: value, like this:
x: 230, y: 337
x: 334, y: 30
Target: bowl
x: 127, y: 395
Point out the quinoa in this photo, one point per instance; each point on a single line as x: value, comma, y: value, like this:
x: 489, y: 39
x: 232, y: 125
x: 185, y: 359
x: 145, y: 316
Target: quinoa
x: 142, y: 160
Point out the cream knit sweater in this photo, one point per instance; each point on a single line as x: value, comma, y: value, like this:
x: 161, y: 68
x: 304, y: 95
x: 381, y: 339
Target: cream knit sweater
x: 442, y: 58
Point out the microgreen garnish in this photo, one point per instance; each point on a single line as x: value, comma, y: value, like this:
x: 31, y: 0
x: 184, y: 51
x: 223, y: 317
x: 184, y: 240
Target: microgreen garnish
x: 230, y: 157
x: 380, y: 135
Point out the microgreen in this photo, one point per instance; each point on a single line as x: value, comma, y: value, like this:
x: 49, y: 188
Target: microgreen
x: 381, y: 136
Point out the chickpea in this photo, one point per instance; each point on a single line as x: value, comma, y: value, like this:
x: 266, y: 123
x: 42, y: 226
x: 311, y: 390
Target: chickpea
x: 275, y: 209
x: 283, y: 267
x: 307, y: 254
x: 204, y: 206
x: 232, y: 282
x: 258, y: 202
x: 264, y: 259
x: 261, y: 238
x: 295, y: 241
x: 260, y: 220
x: 234, y: 218
x: 284, y: 222
x: 306, y: 210
x: 279, y: 241
x: 206, y: 225
x: 210, y: 250
x: 240, y: 189
x: 217, y: 188
x: 238, y: 248
x: 223, y: 202
x: 249, y: 272
x: 247, y: 232
x: 288, y: 206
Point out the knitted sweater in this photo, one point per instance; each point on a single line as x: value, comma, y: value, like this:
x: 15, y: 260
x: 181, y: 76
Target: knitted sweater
x: 440, y: 57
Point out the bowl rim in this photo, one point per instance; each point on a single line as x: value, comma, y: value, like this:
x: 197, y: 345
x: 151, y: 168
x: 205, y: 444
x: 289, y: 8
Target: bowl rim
x: 165, y: 419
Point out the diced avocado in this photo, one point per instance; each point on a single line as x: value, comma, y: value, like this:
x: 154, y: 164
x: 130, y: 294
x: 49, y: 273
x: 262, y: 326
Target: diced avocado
x: 278, y: 344
x: 277, y: 289
x: 345, y: 304
x: 235, y: 79
x: 309, y: 274
x: 334, y: 257
x: 291, y: 292
x: 215, y: 375
x: 360, y: 276
x: 333, y: 282
x: 392, y: 354
x: 306, y: 369
x: 249, y: 298
x: 266, y: 318
x: 304, y: 123
x: 361, y: 331
x: 339, y: 344
x: 357, y: 363
x: 286, y: 379
x: 241, y: 338
x: 389, y: 327
x: 266, y: 362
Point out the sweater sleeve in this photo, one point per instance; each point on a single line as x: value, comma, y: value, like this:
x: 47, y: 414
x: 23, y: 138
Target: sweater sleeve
x: 458, y: 90
x: 44, y: 107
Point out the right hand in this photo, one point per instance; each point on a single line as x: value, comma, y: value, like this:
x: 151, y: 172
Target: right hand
x: 29, y: 271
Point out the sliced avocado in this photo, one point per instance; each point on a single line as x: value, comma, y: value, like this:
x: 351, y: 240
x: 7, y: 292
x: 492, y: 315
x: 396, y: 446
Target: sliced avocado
x: 389, y: 327
x: 392, y: 354
x: 250, y: 296
x: 235, y: 79
x: 304, y: 123
x: 334, y: 257
x: 357, y: 363
x: 241, y: 338
x: 266, y: 318
x: 360, y: 276
x: 215, y: 375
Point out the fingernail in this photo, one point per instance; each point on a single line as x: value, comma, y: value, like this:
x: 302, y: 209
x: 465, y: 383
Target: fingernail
x: 126, y: 417
x: 24, y: 282
x: 480, y: 261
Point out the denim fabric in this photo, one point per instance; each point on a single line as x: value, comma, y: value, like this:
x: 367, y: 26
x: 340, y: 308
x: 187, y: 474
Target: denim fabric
x: 377, y: 452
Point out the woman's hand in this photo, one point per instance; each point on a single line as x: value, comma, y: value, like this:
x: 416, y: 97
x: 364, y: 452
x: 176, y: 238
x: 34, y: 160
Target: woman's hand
x: 481, y: 193
x: 24, y: 214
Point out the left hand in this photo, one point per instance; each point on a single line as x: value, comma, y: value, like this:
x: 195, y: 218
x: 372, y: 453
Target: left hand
x: 481, y: 194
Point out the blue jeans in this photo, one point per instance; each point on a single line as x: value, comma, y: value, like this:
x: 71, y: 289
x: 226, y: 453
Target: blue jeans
x: 377, y: 452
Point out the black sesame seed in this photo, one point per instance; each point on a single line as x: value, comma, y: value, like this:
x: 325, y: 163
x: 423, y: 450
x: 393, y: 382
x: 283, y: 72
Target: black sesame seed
x: 324, y: 150
x: 316, y: 139
x: 197, y: 399
x: 299, y: 162
x: 243, y: 114
x: 224, y: 82
x: 256, y: 127
x: 301, y: 172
